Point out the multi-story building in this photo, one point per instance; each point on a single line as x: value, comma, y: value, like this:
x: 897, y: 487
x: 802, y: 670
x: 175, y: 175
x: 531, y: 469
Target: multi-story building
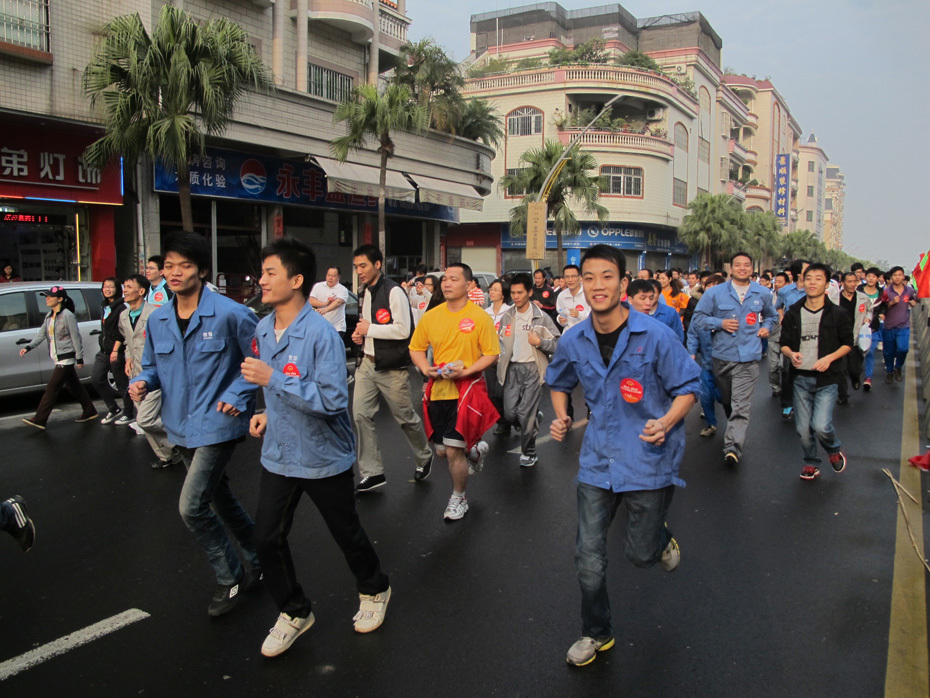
x: 675, y: 133
x: 270, y: 173
x: 812, y: 187
x: 833, y: 205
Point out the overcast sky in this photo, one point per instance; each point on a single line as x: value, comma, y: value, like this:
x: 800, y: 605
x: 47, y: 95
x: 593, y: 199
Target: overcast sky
x: 854, y: 72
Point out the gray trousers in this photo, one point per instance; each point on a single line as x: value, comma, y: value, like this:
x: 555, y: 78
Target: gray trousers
x: 148, y: 417
x: 394, y: 387
x: 522, y: 392
x: 775, y: 360
x: 736, y: 382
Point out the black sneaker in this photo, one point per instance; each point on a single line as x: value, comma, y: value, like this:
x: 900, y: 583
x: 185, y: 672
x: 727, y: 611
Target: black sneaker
x: 843, y: 401
x: 502, y: 430
x: 224, y: 599
x: 253, y: 579
x: 730, y: 458
x: 25, y: 531
x: 158, y: 464
x: 371, y: 482
x: 422, y: 471
x: 898, y: 376
x: 86, y: 417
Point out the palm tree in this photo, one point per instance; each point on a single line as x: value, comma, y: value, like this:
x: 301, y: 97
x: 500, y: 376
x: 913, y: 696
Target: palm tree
x: 571, y: 182
x: 163, y: 92
x: 481, y: 122
x: 800, y: 244
x: 712, y: 227
x: 372, y: 114
x: 762, y: 236
x: 435, y: 81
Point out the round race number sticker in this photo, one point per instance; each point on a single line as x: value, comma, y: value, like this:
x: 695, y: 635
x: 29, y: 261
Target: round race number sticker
x: 545, y: 294
x: 159, y: 297
x: 255, y: 347
x: 508, y: 330
x: 579, y: 307
x: 423, y: 305
x: 752, y: 319
x: 383, y: 316
x: 291, y: 370
x: 631, y: 390
x: 467, y: 325
x: 862, y: 307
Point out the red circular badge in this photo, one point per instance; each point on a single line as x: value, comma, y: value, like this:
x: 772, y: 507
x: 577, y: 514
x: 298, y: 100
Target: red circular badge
x: 291, y: 370
x: 508, y: 331
x: 545, y: 294
x: 579, y: 307
x: 422, y: 305
x: 383, y: 316
x: 751, y: 319
x: 497, y: 326
x: 467, y: 325
x: 862, y: 307
x: 255, y: 347
x: 631, y: 390
x: 159, y: 296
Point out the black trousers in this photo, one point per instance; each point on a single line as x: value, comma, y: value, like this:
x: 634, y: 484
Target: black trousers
x: 63, y: 376
x: 335, y: 498
x: 98, y: 379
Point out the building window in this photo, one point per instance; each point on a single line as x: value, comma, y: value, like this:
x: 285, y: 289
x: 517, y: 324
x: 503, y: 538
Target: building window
x: 810, y: 216
x: 24, y: 23
x: 514, y: 190
x: 680, y: 193
x: 329, y: 84
x: 524, y: 122
x: 704, y: 150
x: 623, y: 181
x: 681, y: 137
x: 828, y: 204
x: 810, y: 191
x: 810, y: 166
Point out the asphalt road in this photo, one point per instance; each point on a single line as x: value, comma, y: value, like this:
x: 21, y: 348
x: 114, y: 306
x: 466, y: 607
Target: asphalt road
x: 784, y: 588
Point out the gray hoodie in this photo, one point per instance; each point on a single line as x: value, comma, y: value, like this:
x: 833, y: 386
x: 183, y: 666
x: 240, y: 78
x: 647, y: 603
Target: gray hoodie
x: 68, y: 343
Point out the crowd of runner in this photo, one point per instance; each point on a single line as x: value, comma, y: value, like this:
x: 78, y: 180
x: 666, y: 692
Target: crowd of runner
x: 644, y: 350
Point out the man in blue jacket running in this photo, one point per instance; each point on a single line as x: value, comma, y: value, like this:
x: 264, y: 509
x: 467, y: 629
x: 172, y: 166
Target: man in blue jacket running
x: 194, y: 347
x: 639, y: 383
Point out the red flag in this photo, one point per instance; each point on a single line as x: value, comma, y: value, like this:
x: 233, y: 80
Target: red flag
x: 921, y: 276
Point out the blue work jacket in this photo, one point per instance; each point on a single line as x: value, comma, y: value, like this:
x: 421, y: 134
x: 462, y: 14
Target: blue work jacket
x: 200, y: 369
x: 669, y: 316
x: 648, y: 370
x: 788, y: 295
x: 720, y: 303
x: 701, y: 342
x: 309, y: 434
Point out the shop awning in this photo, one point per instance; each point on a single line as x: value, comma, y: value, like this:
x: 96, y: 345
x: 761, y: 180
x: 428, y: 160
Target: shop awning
x: 350, y: 178
x: 444, y: 193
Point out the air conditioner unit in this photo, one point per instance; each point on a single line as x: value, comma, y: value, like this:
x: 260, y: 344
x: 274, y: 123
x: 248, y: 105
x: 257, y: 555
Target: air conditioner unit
x: 655, y: 114
x: 681, y: 69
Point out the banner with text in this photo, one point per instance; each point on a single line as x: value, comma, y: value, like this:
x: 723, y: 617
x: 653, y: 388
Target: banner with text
x: 782, y: 187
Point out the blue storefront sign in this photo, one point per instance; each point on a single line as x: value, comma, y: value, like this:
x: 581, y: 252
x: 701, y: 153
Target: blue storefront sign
x: 229, y: 174
x: 620, y: 235
x: 782, y: 181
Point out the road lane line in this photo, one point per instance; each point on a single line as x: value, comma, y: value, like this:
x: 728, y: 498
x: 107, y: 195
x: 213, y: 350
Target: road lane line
x: 548, y: 437
x: 11, y: 667
x: 907, y: 673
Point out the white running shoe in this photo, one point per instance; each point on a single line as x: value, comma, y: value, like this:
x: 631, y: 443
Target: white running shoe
x: 371, y: 610
x: 284, y: 632
x: 476, y: 457
x: 456, y: 508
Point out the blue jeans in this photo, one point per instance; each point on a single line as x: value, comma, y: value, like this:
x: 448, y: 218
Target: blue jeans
x: 869, y: 364
x: 895, y: 345
x: 813, y: 417
x: 709, y: 394
x: 207, y: 503
x: 646, y: 537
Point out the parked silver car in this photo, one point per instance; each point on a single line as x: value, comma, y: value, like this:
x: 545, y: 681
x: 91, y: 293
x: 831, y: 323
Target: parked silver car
x: 22, y: 310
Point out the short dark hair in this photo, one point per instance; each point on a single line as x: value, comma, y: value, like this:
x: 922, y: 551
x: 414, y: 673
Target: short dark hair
x: 873, y: 270
x: 704, y: 274
x: 796, y: 267
x: 656, y: 285
x: 852, y: 274
x: 857, y: 266
x: 371, y: 252
x: 608, y: 254
x: 819, y: 266
x: 296, y: 258
x: 648, y: 271
x: 140, y: 280
x: 539, y: 271
x: 192, y: 247
x: 714, y: 280
x: 570, y: 266
x: 466, y: 270
x: 891, y: 272
x: 783, y: 275
x: 333, y: 266
x: 158, y: 259
x: 505, y: 288
x: 420, y: 270
x: 740, y: 254
x: 524, y: 280
x: 640, y: 286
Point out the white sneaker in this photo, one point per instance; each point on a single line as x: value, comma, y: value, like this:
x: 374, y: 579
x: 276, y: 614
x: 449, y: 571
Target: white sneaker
x: 125, y: 420
x: 476, y: 457
x: 456, y: 508
x: 528, y: 461
x: 136, y: 428
x: 284, y: 632
x: 371, y: 610
x: 671, y: 556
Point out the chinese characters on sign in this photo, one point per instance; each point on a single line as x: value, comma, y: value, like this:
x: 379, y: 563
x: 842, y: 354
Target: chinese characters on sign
x: 43, y: 167
x: 782, y: 186
x: 536, y: 230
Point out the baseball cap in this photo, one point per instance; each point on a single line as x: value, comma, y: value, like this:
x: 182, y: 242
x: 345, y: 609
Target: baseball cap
x: 58, y: 291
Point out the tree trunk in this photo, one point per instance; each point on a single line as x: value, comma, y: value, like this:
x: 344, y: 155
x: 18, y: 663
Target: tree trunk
x: 560, y: 251
x: 184, y: 193
x: 382, y: 236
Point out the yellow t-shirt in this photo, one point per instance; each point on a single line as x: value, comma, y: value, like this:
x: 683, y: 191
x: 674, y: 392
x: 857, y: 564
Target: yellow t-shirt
x: 466, y: 335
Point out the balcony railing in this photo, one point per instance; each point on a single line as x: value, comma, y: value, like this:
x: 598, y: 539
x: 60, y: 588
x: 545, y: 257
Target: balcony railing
x: 615, y: 76
x: 25, y: 23
x: 752, y: 120
x: 393, y: 27
x: 626, y: 141
x: 737, y: 150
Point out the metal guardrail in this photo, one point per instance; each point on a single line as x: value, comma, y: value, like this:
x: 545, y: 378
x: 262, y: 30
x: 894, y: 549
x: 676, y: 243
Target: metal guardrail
x: 25, y: 23
x: 920, y: 329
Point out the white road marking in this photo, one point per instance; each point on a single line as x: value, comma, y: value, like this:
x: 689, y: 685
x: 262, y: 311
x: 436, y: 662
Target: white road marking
x: 548, y: 437
x: 11, y: 667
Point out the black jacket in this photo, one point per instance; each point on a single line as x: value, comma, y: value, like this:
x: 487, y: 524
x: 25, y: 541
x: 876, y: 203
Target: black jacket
x: 835, y: 331
x: 109, y: 326
x: 390, y: 354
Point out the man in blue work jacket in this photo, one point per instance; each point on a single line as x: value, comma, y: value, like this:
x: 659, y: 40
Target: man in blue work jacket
x: 194, y: 347
x: 740, y: 315
x: 308, y: 444
x: 639, y: 383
